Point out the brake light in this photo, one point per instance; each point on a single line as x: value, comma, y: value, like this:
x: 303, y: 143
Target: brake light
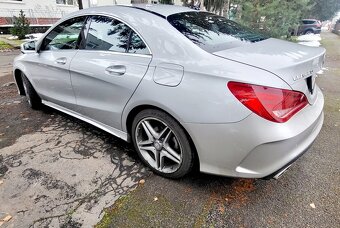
x: 277, y: 105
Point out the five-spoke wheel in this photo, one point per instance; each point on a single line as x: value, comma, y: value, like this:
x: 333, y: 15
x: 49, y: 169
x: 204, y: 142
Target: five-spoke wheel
x: 162, y: 143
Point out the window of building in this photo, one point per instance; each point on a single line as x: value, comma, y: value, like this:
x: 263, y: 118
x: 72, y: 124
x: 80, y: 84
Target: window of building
x: 67, y: 2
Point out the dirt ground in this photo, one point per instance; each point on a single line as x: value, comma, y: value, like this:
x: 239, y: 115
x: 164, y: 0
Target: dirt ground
x: 56, y: 171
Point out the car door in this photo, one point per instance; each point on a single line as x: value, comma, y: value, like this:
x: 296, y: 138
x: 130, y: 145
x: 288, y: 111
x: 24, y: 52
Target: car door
x: 107, y: 69
x: 49, y: 68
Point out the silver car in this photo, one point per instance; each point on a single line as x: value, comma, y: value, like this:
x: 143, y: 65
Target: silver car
x: 186, y: 87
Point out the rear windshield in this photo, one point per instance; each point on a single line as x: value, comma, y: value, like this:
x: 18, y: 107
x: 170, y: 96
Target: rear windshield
x: 212, y: 32
x: 308, y: 22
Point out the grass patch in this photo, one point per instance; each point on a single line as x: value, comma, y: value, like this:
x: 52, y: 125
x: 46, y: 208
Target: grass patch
x: 132, y: 211
x: 293, y: 39
x: 4, y: 45
x: 147, y: 207
x: 18, y: 42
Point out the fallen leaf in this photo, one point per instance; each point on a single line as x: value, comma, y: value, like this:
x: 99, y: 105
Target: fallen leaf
x: 155, y: 199
x: 142, y: 181
x: 7, y: 218
x: 221, y: 209
x: 312, y: 205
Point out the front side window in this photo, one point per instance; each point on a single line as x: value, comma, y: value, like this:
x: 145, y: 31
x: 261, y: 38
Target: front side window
x: 64, y: 36
x: 108, y: 34
x: 212, y: 32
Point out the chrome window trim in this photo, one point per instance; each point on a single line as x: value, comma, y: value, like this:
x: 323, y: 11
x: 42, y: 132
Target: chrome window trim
x: 116, y: 53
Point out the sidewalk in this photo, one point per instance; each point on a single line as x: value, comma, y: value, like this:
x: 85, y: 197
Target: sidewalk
x: 14, y: 43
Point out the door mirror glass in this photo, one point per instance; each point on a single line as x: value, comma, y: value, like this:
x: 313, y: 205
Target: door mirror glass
x: 28, y: 47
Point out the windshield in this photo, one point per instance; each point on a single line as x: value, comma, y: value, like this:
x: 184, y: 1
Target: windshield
x: 212, y: 32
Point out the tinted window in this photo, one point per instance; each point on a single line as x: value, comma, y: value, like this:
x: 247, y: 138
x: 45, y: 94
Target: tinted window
x: 107, y: 34
x: 308, y: 22
x: 64, y: 36
x: 137, y: 45
x: 212, y: 32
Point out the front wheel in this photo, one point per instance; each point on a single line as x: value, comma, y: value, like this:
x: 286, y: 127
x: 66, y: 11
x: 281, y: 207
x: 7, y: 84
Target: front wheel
x: 32, y: 96
x: 308, y: 32
x: 162, y: 143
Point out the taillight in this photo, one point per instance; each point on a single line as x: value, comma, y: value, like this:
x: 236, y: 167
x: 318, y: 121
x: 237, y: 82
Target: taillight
x: 277, y: 105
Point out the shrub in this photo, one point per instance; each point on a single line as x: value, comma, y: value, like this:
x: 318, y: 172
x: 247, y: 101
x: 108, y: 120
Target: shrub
x: 20, y: 26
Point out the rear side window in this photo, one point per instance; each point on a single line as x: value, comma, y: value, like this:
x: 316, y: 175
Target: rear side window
x: 137, y: 45
x: 212, y: 32
x: 64, y: 36
x: 108, y: 34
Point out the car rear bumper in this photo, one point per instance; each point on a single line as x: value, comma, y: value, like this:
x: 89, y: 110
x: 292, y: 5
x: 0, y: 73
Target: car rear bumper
x: 254, y: 147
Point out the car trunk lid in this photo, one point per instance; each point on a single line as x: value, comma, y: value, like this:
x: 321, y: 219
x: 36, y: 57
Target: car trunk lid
x: 295, y: 64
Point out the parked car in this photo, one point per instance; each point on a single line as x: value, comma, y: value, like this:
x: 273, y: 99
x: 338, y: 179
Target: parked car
x: 183, y: 86
x: 309, y: 26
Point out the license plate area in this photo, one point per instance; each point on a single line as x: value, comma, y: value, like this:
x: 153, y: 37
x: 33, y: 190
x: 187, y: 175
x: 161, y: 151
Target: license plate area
x: 310, y: 84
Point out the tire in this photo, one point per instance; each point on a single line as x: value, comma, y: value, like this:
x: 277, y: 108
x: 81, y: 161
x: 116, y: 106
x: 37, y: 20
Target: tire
x: 309, y: 32
x: 33, y: 99
x: 162, y: 143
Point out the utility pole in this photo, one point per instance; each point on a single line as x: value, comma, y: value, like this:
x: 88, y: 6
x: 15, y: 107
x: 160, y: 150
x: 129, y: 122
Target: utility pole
x: 80, y: 4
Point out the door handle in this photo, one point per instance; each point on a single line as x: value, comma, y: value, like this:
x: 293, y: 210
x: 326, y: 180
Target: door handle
x: 116, y: 70
x: 61, y: 61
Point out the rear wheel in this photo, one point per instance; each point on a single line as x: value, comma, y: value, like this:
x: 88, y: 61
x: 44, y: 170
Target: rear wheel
x: 33, y: 99
x: 162, y: 143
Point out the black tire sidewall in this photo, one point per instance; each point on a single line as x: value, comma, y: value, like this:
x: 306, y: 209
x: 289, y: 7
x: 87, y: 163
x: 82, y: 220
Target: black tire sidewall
x: 187, y: 153
x: 31, y: 94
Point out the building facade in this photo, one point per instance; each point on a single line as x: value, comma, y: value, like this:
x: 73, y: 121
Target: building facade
x: 43, y: 13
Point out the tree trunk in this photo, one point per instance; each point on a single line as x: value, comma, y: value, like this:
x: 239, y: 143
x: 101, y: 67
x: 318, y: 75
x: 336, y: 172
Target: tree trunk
x: 80, y: 4
x: 228, y: 9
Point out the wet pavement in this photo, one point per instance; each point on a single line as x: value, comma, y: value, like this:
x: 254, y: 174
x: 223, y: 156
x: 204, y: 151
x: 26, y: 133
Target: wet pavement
x: 55, y: 170
x: 66, y: 171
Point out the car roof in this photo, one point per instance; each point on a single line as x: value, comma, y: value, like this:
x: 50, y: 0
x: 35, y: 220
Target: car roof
x: 155, y: 9
x: 162, y: 9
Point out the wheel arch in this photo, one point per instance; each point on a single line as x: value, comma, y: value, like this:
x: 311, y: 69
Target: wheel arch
x: 19, y: 82
x: 308, y: 30
x: 132, y: 114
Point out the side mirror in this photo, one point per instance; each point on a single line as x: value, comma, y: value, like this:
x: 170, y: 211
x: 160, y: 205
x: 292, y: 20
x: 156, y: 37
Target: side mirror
x: 28, y: 47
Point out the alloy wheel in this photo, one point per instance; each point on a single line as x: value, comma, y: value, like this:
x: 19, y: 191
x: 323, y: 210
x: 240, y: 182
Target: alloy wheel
x: 159, y: 145
x: 27, y: 93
